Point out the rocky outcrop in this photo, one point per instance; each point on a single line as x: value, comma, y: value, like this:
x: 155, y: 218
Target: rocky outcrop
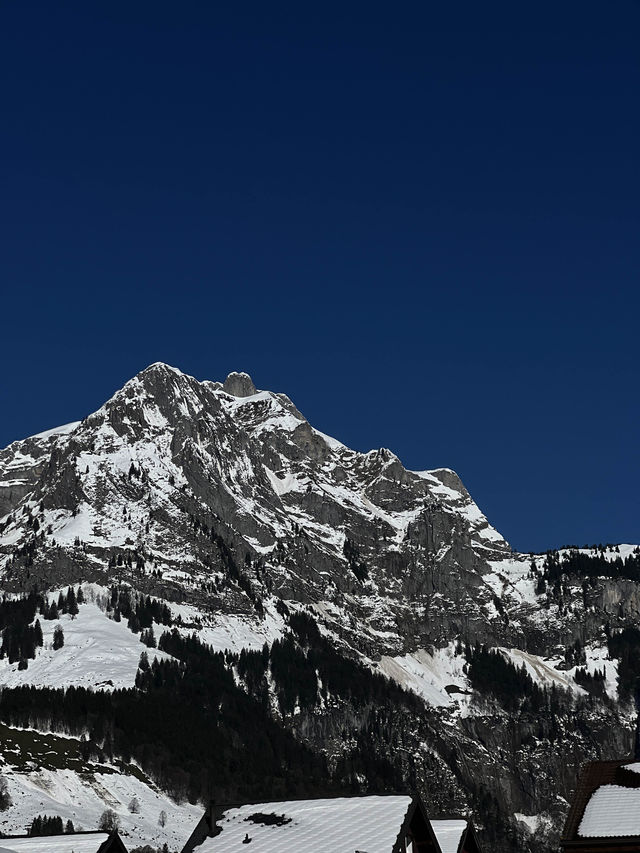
x: 239, y: 384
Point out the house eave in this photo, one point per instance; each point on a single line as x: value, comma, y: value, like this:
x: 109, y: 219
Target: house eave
x: 599, y: 841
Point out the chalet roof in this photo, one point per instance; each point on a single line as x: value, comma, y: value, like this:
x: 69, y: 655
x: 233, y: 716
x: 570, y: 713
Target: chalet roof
x: 336, y: 825
x: 449, y: 834
x: 80, y: 842
x: 612, y: 811
x: 606, y: 803
x: 371, y: 824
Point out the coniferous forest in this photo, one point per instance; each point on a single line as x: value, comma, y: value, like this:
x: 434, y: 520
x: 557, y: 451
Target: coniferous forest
x: 191, y: 727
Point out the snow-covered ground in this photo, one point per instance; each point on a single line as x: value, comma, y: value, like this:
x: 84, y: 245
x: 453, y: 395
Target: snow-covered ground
x: 83, y: 797
x: 236, y: 632
x: 103, y: 655
x: 535, y: 823
x: 548, y: 671
x: 623, y: 551
x: 541, y: 671
x: 511, y: 579
x: 429, y: 674
x: 97, y: 653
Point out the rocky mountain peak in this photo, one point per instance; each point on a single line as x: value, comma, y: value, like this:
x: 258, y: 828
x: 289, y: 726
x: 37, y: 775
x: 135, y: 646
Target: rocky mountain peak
x: 227, y: 502
x: 317, y: 518
x: 239, y: 385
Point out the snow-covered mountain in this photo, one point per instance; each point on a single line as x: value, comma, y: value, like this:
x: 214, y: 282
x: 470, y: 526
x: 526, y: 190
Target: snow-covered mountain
x: 225, y: 503
x: 169, y: 457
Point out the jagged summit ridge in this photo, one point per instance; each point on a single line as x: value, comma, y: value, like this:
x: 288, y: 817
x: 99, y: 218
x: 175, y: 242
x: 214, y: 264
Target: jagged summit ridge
x: 304, y: 516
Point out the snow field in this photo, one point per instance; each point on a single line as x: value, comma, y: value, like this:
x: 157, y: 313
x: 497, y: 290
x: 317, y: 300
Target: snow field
x: 98, y: 653
x: 428, y: 674
x: 83, y: 797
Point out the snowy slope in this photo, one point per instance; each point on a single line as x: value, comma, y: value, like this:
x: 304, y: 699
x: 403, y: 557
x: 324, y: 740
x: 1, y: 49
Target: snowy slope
x: 97, y: 653
x: 46, y: 774
x: 429, y: 674
x: 83, y: 798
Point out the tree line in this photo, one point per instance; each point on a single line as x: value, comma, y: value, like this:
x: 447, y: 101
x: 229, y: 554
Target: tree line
x: 579, y: 564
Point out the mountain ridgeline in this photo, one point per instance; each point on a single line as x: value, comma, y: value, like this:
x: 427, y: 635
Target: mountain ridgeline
x: 404, y: 644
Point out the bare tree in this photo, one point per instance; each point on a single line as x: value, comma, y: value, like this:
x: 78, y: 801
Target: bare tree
x: 5, y: 798
x: 109, y: 821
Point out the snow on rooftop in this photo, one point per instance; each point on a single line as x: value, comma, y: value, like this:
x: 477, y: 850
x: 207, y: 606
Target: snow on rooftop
x: 611, y: 811
x: 76, y: 843
x: 341, y: 825
x: 449, y: 833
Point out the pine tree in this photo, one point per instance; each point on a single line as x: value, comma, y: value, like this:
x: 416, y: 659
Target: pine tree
x: 58, y: 637
x: 148, y: 638
x: 72, y: 604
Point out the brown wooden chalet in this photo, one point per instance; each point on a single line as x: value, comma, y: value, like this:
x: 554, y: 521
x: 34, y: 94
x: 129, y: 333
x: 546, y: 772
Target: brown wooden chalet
x: 605, y: 813
x: 367, y: 824
x: 76, y: 842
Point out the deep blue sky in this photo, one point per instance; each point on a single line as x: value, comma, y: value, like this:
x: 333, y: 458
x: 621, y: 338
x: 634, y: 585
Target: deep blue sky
x: 420, y: 223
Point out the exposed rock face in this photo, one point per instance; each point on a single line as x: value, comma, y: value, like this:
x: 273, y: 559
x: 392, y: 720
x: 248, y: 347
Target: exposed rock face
x: 239, y: 384
x: 226, y: 496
